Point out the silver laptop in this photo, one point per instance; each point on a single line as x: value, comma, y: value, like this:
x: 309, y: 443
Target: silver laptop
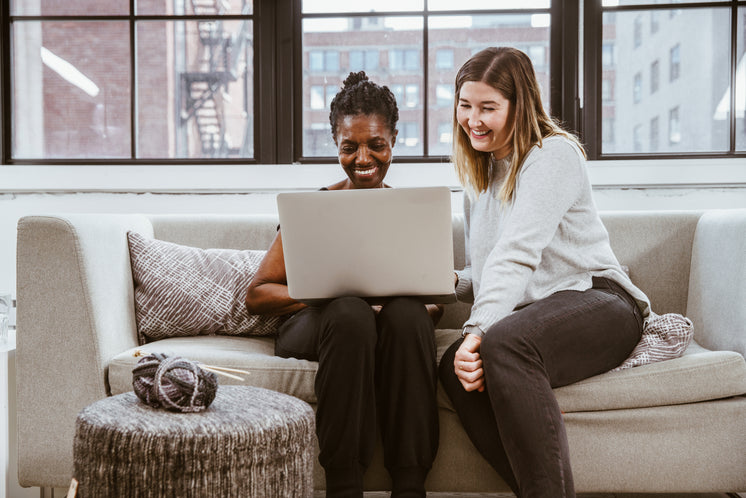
x: 370, y: 243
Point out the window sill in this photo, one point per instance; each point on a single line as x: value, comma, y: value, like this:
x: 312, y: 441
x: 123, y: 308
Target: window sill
x: 669, y: 173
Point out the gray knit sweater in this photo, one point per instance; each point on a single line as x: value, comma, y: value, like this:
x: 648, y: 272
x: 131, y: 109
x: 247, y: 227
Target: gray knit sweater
x: 547, y: 239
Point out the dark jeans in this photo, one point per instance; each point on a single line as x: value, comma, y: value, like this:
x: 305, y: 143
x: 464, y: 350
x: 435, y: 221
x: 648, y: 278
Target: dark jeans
x: 516, y: 423
x: 371, y: 368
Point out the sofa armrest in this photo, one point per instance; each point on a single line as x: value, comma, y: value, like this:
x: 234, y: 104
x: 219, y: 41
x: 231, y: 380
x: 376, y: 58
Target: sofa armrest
x: 75, y: 311
x: 717, y: 282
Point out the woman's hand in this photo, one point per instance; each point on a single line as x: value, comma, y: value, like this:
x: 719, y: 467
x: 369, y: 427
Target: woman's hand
x: 435, y: 311
x: 468, y: 364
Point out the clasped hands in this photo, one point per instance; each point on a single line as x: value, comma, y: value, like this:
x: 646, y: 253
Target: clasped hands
x: 468, y: 364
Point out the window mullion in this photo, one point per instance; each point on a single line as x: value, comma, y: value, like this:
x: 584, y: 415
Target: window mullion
x: 733, y: 69
x: 592, y: 74
x: 133, y: 83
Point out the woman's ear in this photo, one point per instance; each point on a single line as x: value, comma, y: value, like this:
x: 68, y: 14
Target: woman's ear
x: 393, y: 139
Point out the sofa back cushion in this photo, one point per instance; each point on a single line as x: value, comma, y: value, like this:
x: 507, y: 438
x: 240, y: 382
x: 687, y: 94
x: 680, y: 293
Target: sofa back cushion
x: 657, y: 249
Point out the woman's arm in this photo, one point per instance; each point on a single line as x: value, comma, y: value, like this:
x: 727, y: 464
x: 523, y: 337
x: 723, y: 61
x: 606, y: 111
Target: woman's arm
x: 268, y: 290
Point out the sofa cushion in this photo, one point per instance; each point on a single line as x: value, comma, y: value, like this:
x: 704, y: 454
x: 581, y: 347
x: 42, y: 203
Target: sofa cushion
x: 186, y: 291
x: 699, y: 375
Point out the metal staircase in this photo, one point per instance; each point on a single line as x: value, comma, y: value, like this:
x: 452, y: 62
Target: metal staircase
x: 205, y: 91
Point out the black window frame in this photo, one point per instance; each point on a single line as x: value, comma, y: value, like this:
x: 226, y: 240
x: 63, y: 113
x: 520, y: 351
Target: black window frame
x: 277, y: 69
x: 591, y: 132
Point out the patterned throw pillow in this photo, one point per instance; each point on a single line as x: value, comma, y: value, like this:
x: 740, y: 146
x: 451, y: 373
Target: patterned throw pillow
x: 664, y: 337
x: 187, y: 291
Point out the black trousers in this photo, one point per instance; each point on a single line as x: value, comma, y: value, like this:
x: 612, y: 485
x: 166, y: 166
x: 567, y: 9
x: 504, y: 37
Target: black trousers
x: 375, y: 370
x: 516, y: 423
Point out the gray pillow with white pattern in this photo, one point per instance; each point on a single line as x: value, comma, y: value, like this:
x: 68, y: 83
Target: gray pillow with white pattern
x: 187, y: 291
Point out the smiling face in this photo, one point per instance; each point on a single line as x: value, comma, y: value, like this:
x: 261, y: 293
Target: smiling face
x: 364, y: 144
x: 486, y: 117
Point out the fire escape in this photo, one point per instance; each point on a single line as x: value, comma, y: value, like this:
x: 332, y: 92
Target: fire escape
x: 205, y: 91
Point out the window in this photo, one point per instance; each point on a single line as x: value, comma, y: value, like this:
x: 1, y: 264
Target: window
x: 693, y: 82
x: 654, y: 22
x: 675, y: 64
x: 170, y: 82
x: 412, y: 95
x: 608, y: 55
x: 444, y: 58
x: 419, y: 54
x: 363, y: 60
x: 654, y: 76
x: 674, y: 126
x: 156, y: 81
x: 637, y: 37
x: 607, y: 93
x: 444, y: 95
x: 637, y: 89
x: 164, y: 81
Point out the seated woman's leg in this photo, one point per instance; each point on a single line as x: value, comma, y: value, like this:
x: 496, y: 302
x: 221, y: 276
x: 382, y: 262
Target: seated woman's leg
x: 345, y: 390
x: 475, y: 412
x: 556, y: 341
x: 406, y: 383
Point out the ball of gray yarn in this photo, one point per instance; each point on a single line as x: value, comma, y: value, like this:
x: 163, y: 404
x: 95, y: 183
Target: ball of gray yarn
x: 173, y: 383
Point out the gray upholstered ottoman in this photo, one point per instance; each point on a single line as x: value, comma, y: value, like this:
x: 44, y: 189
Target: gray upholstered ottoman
x: 250, y: 442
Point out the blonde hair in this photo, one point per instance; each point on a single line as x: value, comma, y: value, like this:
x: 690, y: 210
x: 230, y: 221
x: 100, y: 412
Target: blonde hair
x: 510, y: 72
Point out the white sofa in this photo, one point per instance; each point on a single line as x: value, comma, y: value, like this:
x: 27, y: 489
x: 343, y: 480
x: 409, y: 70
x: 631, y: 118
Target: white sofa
x: 675, y: 426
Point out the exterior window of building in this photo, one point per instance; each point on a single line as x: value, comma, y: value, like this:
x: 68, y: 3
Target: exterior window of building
x: 412, y: 95
x: 444, y: 58
x: 444, y: 95
x: 696, y: 123
x: 675, y: 65
x: 606, y: 90
x: 654, y: 76
x: 331, y: 61
x: 654, y: 22
x: 445, y: 134
x: 654, y: 134
x: 363, y: 60
x: 674, y: 126
x: 637, y: 88
x: 316, y: 61
x: 317, y: 97
x: 404, y: 60
x: 409, y: 134
x: 608, y: 55
x: 637, y: 37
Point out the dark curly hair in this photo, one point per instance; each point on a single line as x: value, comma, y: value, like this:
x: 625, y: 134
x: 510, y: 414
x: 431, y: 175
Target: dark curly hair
x: 359, y: 95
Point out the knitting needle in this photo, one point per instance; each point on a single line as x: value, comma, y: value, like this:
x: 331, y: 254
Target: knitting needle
x: 210, y: 369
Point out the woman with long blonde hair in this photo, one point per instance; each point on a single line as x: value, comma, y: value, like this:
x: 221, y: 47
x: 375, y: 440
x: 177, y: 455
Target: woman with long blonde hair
x: 552, y: 305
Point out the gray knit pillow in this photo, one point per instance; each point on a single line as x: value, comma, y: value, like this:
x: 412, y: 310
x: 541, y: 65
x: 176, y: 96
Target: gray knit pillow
x: 187, y: 291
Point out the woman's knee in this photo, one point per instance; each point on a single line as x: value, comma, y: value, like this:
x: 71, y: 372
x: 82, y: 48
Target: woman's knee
x: 504, y: 340
x: 447, y: 369
x: 402, y: 309
x: 349, y: 318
